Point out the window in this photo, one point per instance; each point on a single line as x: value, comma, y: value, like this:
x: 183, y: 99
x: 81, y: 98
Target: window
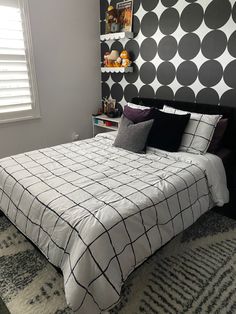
x: 18, y: 91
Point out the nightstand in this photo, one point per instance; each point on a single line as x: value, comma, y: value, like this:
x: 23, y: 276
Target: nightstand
x: 103, y: 122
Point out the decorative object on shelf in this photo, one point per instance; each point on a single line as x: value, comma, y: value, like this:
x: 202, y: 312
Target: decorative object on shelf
x: 112, y: 20
x: 125, y: 59
x: 108, y: 123
x: 119, y: 19
x: 113, y: 113
x: 125, y: 14
x: 111, y: 109
x: 105, y: 59
x: 113, y: 59
x: 109, y: 104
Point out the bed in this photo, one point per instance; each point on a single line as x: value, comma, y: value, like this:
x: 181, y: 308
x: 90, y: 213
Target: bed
x: 97, y: 212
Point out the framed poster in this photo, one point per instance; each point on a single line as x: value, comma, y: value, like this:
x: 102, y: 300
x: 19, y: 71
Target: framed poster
x: 125, y: 15
x: 112, y: 20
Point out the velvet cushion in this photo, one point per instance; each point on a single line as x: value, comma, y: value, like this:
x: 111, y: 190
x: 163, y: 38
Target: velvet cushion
x: 137, y: 115
x: 167, y: 130
x: 132, y: 136
x: 218, y: 136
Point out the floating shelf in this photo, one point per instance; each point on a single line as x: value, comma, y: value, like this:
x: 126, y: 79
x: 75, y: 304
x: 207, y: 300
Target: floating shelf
x: 114, y: 36
x: 117, y: 70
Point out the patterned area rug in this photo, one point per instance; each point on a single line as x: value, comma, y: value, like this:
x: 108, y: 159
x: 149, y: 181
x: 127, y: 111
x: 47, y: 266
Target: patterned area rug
x: 194, y: 273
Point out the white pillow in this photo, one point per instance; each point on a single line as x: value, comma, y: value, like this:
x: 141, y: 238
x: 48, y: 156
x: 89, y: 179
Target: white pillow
x: 199, y: 131
x: 134, y: 106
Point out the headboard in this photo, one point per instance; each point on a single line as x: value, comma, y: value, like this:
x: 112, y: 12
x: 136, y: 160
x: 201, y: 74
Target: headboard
x: 229, y: 140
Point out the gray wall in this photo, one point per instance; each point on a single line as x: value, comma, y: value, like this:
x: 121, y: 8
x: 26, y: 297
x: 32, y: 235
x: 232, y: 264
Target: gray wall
x: 67, y: 54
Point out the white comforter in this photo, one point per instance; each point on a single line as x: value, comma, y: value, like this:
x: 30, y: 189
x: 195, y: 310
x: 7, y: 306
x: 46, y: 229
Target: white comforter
x: 97, y: 211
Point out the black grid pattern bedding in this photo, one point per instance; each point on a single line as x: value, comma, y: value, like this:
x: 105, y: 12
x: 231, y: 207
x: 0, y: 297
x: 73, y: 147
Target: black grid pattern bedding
x: 199, y: 131
x: 97, y: 211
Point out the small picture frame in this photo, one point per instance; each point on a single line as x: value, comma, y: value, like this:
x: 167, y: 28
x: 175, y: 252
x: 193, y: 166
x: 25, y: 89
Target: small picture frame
x: 112, y: 21
x: 112, y: 103
x: 109, y: 104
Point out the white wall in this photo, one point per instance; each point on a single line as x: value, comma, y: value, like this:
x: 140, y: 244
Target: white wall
x: 67, y: 58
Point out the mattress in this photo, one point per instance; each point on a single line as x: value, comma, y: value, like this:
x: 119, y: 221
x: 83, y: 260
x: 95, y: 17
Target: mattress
x: 97, y: 211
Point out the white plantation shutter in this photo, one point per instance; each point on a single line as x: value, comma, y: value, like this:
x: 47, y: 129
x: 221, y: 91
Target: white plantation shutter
x: 18, y: 93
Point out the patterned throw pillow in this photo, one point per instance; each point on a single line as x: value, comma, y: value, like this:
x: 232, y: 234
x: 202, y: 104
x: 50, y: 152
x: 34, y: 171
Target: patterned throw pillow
x: 132, y: 136
x: 199, y: 131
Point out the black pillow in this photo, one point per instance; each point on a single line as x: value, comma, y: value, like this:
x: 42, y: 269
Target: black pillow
x: 167, y: 130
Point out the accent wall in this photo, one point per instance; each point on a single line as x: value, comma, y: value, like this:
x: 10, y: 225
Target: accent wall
x: 183, y: 50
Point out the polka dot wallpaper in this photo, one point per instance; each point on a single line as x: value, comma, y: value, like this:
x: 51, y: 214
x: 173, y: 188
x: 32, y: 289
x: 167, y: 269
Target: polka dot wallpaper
x: 182, y: 49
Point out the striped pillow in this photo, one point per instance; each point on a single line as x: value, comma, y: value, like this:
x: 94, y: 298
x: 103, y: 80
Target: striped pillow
x: 199, y: 131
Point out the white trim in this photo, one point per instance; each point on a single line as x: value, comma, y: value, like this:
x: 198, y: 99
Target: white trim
x: 114, y: 36
x: 117, y: 70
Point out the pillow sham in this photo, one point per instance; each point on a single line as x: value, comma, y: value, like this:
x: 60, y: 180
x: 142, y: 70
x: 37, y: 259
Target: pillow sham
x: 167, y: 130
x: 218, y: 136
x: 132, y: 137
x: 137, y: 115
x: 199, y: 131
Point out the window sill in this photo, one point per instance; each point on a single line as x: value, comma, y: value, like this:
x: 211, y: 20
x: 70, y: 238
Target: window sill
x: 19, y: 119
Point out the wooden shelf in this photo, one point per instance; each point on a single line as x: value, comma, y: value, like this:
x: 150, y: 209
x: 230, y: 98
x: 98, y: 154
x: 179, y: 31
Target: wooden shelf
x: 117, y: 70
x: 116, y: 36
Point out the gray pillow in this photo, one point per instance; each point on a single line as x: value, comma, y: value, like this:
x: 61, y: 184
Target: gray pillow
x: 132, y: 136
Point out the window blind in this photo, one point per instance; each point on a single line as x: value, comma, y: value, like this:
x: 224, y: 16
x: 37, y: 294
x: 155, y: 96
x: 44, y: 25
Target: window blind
x: 16, y: 84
